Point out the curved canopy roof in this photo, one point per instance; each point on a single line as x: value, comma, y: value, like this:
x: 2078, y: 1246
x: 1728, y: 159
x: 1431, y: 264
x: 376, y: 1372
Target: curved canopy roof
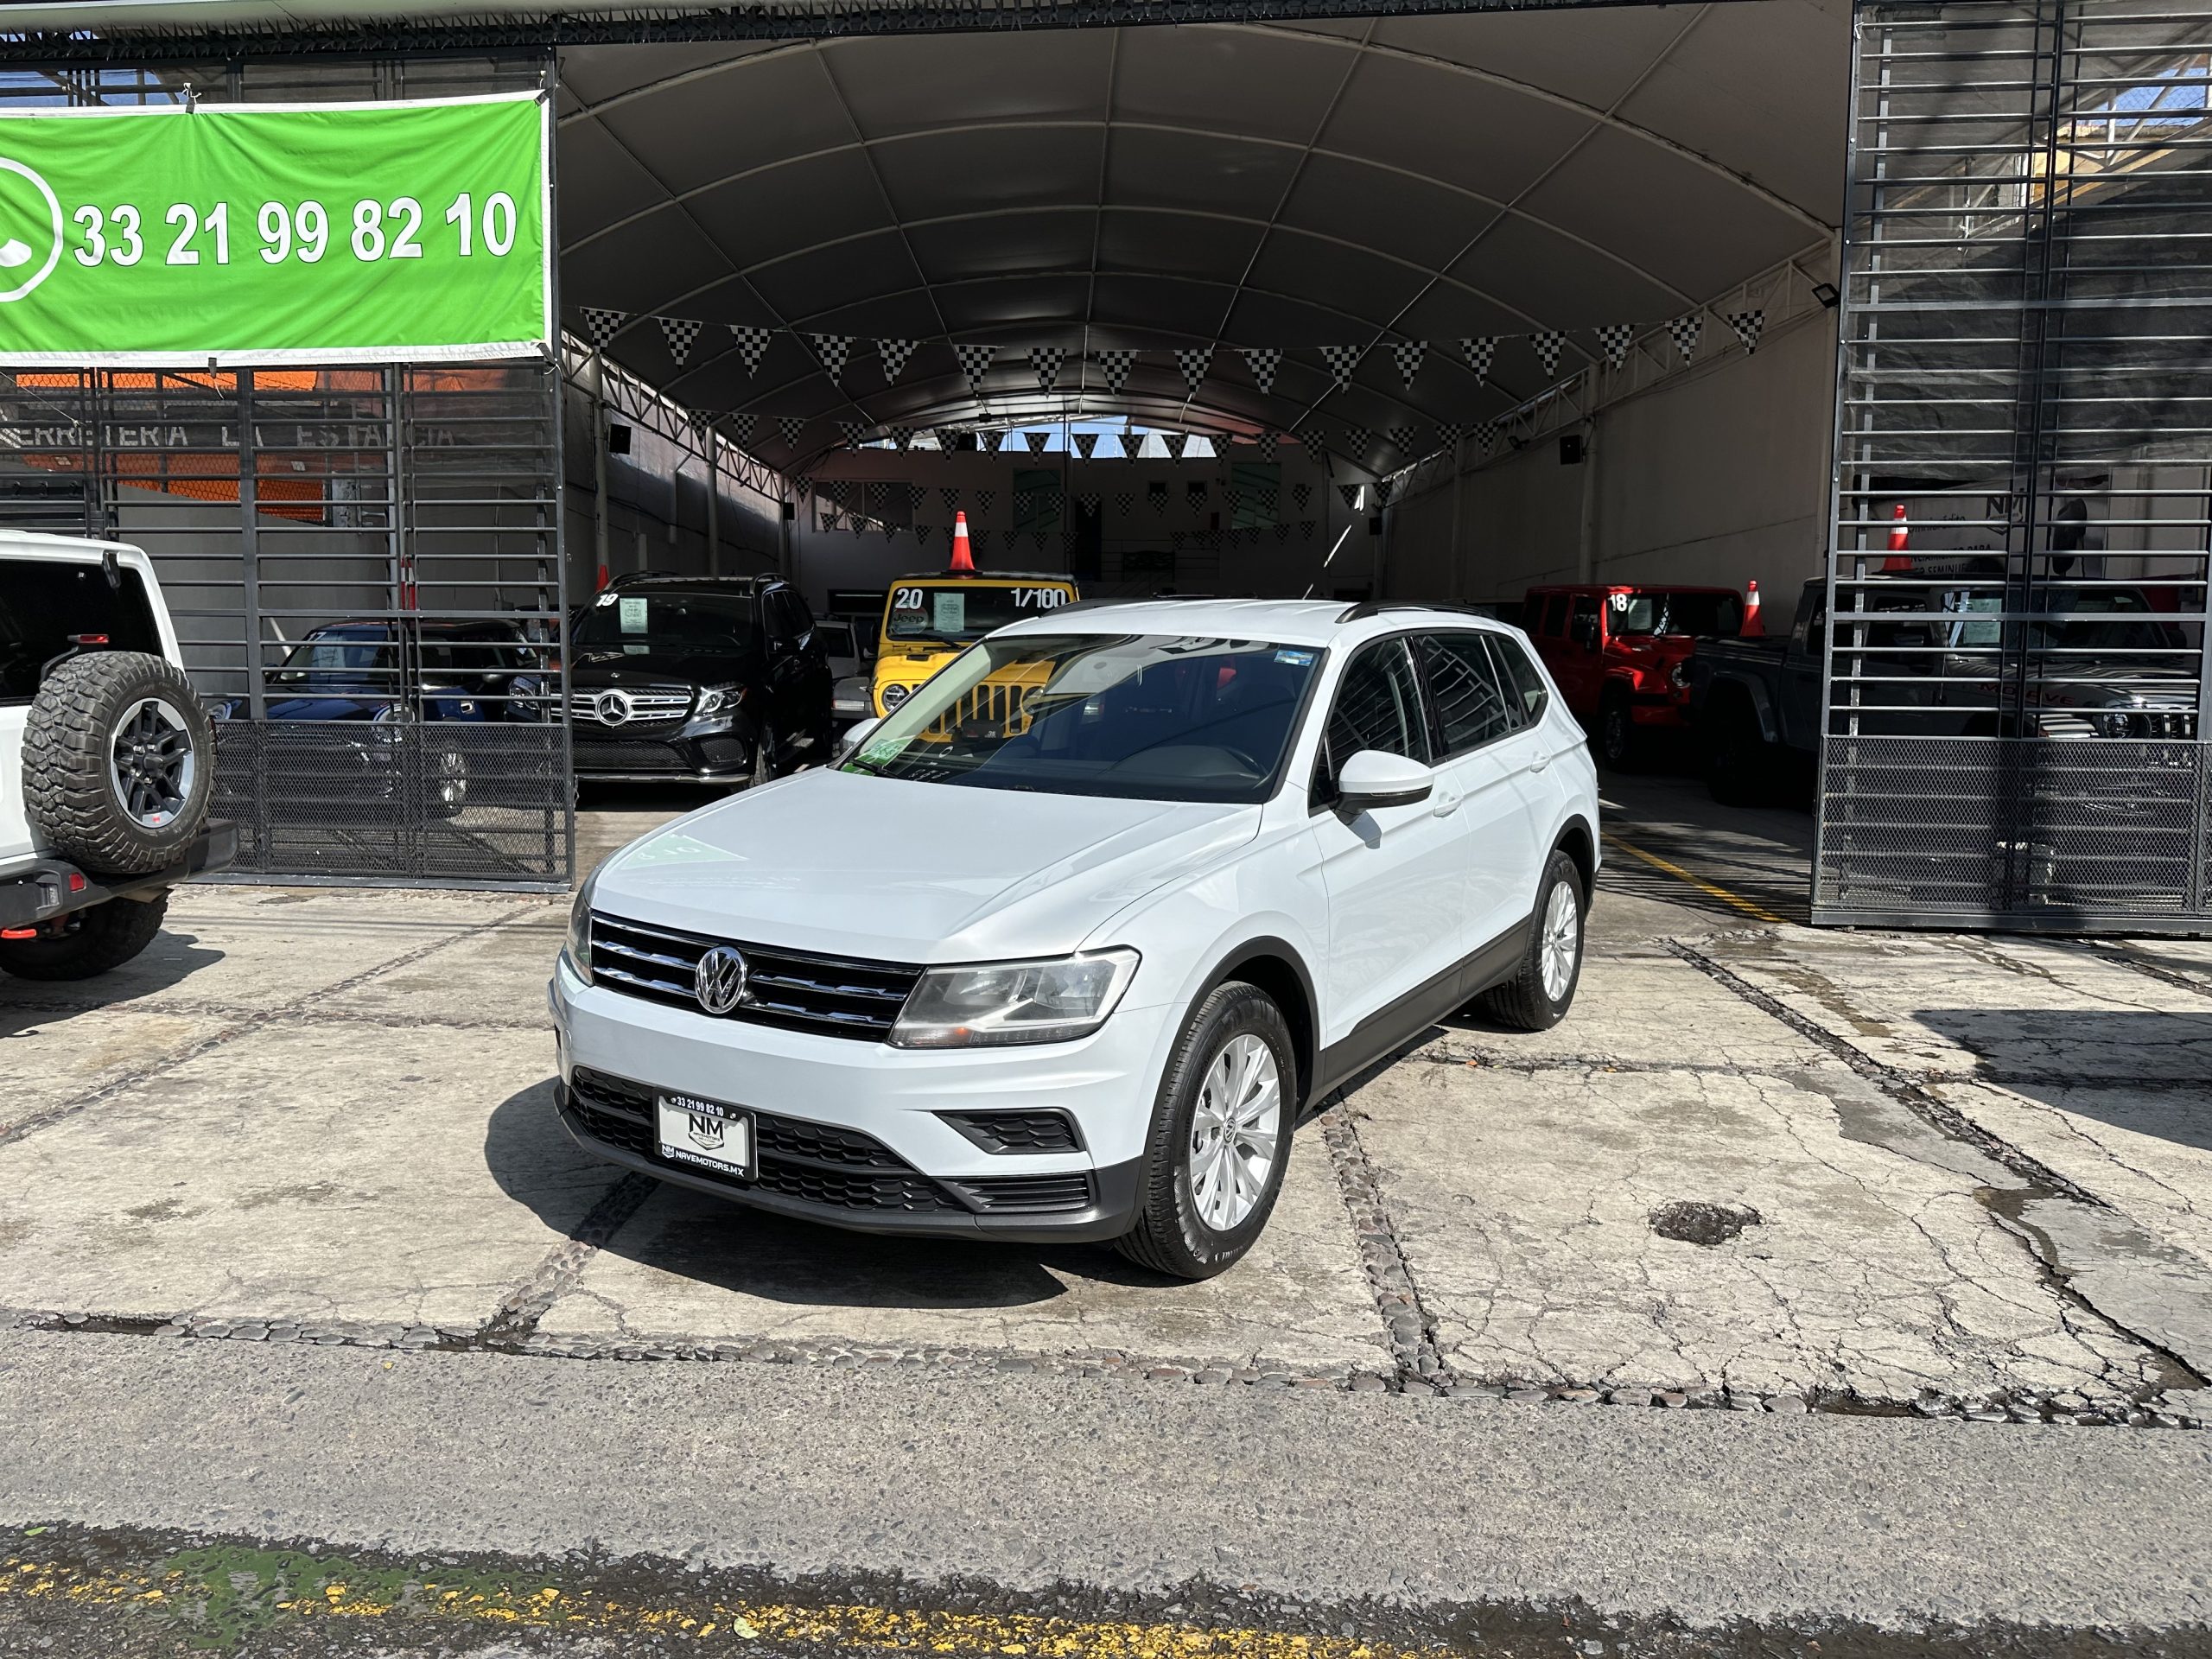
x: 1217, y: 186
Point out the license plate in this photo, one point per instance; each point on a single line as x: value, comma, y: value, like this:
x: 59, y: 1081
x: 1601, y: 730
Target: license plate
x: 705, y: 1134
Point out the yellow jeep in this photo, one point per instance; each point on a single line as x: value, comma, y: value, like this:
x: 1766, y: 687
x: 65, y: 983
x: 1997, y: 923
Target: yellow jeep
x: 929, y: 620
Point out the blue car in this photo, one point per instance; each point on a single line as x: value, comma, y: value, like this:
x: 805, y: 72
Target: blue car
x: 351, y: 674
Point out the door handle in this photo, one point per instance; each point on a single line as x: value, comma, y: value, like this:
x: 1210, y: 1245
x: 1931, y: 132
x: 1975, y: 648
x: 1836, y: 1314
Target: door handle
x: 1445, y: 805
x: 1540, y: 762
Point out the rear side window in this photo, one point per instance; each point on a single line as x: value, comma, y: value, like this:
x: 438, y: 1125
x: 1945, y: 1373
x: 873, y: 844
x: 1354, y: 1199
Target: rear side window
x: 1472, y: 705
x: 1377, y: 707
x: 1523, y: 683
x: 43, y: 602
x: 1584, y: 626
x: 1555, y: 619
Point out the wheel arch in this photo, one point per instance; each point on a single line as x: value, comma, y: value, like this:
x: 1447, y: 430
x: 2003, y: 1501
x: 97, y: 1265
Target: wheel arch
x: 1276, y: 966
x: 1579, y: 841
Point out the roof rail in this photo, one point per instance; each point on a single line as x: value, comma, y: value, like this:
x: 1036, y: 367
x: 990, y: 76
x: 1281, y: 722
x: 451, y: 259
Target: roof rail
x: 1134, y: 598
x: 1368, y: 608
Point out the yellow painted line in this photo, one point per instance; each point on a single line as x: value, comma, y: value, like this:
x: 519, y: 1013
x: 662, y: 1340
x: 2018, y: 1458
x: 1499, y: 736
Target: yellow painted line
x: 1704, y: 886
x: 964, y: 1635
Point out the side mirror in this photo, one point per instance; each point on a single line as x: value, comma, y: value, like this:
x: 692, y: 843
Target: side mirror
x: 1371, y: 778
x: 855, y: 734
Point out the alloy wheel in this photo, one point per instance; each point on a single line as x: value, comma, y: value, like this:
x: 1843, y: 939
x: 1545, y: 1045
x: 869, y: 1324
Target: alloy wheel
x: 1236, y: 1130
x: 150, y: 763
x: 1562, y: 941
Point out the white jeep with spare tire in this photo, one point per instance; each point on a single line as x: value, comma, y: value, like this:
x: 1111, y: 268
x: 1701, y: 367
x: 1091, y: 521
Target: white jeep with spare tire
x: 107, y: 760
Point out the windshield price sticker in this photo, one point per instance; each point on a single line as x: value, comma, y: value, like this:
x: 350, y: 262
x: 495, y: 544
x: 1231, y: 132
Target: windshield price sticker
x: 948, y: 613
x: 262, y: 233
x: 632, y: 615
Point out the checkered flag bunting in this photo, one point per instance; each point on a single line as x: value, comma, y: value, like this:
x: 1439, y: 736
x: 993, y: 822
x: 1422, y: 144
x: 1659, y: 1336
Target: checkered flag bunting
x: 1263, y: 361
x: 1301, y: 492
x: 1408, y: 354
x: 1283, y: 531
x: 602, y: 326
x: 1546, y: 345
x: 1037, y: 441
x: 1617, y: 337
x: 894, y: 354
x: 679, y: 332
x: 1361, y: 440
x: 1113, y: 366
x: 1046, y: 361
x: 1487, y: 434
x: 1194, y: 361
x: 1384, y: 489
x: 852, y: 432
x: 791, y: 426
x: 1342, y: 360
x: 1194, y: 495
x: 985, y: 500
x: 1480, y: 351
x: 915, y: 496
x: 1306, y: 529
x: 988, y: 441
x: 975, y: 362
x: 1125, y: 502
x: 903, y: 436
x: 925, y: 534
x: 948, y: 437
x: 752, y: 345
x: 1176, y: 443
x: 951, y: 497
x: 1157, y: 491
x: 701, y: 422
x: 1405, y: 439
x: 803, y: 486
x: 1748, y: 325
x: 833, y: 350
x: 1309, y: 439
x: 1684, y: 332
x: 1130, y: 443
x: 1085, y: 443
x: 1350, y: 493
x: 742, y: 427
x: 1266, y: 439
x: 836, y: 489
x: 980, y: 539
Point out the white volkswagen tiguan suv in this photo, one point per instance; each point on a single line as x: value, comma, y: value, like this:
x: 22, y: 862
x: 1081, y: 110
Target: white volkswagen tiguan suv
x: 1066, y: 946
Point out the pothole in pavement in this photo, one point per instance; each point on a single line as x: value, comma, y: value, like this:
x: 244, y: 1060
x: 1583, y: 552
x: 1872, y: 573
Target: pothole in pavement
x: 1689, y: 1220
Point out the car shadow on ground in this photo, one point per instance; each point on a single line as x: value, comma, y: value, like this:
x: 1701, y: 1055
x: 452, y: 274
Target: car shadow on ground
x: 171, y: 960
x: 2138, y: 1070
x: 721, y: 1246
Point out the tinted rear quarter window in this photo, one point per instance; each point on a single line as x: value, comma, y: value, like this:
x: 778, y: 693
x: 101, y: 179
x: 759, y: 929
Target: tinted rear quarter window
x: 1529, y: 691
x: 1470, y: 701
x: 43, y: 602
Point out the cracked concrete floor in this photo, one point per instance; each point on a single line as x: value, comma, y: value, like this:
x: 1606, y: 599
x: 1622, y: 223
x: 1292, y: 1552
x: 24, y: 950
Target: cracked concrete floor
x: 1979, y: 1167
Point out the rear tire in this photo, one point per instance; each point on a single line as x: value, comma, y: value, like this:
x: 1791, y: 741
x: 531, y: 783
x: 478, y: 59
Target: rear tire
x: 763, y: 755
x: 119, y: 762
x: 91, y: 942
x: 1539, y: 994
x: 1225, y: 1105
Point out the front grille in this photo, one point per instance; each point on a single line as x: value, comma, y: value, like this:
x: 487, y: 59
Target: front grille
x: 658, y: 707
x: 1027, y: 1194
x: 836, y: 996
x: 1017, y: 1131
x: 999, y: 705
x: 814, y: 1163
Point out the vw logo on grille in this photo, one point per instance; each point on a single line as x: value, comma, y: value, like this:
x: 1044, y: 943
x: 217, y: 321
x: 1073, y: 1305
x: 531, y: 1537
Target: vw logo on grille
x: 719, y: 979
x: 613, y: 708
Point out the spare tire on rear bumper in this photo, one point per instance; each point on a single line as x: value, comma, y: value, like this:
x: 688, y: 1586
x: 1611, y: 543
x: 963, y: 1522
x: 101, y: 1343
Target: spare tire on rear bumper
x: 119, y: 762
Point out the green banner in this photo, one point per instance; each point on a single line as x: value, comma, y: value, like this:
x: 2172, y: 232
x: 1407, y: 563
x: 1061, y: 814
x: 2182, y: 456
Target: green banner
x: 276, y: 233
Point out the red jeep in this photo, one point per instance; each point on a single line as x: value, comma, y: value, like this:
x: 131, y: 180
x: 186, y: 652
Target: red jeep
x: 1619, y: 654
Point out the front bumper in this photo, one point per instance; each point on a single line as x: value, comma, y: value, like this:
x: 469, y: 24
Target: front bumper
x: 850, y: 1131
x: 711, y: 756
x: 53, y: 888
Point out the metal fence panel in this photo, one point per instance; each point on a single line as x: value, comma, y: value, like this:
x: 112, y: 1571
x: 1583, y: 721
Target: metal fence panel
x: 363, y: 562
x: 2015, y: 612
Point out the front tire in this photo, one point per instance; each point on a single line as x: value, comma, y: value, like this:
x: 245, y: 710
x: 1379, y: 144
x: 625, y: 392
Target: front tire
x: 89, y: 943
x: 1220, y: 1137
x: 763, y: 755
x: 1619, y: 744
x: 1541, y: 992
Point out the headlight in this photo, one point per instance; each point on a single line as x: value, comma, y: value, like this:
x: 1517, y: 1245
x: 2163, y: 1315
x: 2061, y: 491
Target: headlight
x: 715, y: 698
x: 894, y: 695
x: 2112, y: 722
x: 1000, y: 1002
x: 1680, y: 674
x: 580, y: 929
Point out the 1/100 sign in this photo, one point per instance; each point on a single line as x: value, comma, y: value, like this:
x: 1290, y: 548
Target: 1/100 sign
x: 329, y: 233
x: 389, y: 230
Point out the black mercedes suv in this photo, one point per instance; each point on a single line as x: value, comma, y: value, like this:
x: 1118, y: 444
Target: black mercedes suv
x: 712, y: 679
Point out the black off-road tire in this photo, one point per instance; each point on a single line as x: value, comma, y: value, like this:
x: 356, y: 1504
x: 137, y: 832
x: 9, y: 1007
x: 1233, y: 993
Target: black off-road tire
x: 767, y: 755
x: 91, y: 942
x: 1169, y: 1235
x: 68, y: 745
x: 1523, y: 1002
x: 1620, y: 745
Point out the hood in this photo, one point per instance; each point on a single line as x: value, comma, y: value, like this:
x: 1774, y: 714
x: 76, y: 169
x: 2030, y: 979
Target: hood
x: 591, y: 670
x: 906, y: 871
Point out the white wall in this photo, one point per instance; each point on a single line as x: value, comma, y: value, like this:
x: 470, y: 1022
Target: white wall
x: 1717, y: 475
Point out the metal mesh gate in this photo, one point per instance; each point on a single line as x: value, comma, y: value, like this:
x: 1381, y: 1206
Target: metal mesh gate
x: 362, y: 563
x: 2017, y: 594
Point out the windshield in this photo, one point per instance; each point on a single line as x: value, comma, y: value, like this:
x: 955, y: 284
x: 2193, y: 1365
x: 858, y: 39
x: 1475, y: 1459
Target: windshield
x: 364, y: 656
x: 1149, y: 716
x: 1698, y: 613
x: 2133, y: 625
x: 336, y: 655
x: 958, y: 612
x: 696, y: 624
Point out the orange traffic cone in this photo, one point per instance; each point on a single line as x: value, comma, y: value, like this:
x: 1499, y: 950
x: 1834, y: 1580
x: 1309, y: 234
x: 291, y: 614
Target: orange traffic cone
x: 1897, y: 561
x: 963, y: 561
x: 1752, y: 628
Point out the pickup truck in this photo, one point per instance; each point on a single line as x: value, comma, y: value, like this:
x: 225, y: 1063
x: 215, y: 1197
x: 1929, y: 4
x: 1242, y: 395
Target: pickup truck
x: 107, y: 760
x: 2105, y: 663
